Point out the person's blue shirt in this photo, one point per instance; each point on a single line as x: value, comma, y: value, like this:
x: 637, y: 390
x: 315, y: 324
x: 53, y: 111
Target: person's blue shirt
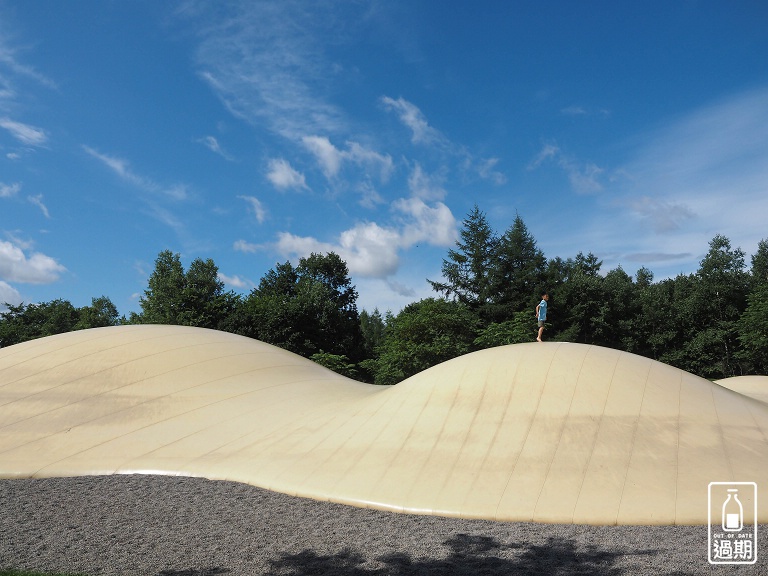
x: 542, y: 310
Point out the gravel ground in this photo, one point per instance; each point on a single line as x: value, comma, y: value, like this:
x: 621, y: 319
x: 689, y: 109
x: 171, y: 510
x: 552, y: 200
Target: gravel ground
x: 172, y: 526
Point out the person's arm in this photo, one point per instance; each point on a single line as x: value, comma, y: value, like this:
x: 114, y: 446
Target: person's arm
x: 537, y: 309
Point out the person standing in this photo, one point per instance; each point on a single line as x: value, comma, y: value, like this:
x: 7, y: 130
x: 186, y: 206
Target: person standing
x: 541, y: 314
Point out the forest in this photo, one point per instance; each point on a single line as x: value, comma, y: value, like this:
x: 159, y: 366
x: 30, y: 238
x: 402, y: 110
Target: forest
x: 713, y: 323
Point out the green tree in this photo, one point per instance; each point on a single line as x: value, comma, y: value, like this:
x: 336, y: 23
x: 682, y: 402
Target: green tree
x: 517, y: 272
x: 467, y: 270
x: 422, y: 335
x: 373, y: 328
x: 27, y: 322
x: 616, y: 321
x: 759, y: 270
x: 716, y: 305
x: 339, y: 363
x: 192, y: 298
x: 102, y: 312
x: 576, y: 306
x: 753, y: 325
x: 310, y: 309
x: 753, y: 335
x: 522, y: 328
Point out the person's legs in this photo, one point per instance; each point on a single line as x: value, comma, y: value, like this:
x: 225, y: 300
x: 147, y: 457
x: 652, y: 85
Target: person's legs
x: 541, y: 331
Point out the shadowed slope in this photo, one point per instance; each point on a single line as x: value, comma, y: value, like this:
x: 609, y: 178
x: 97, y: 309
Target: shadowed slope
x: 545, y: 432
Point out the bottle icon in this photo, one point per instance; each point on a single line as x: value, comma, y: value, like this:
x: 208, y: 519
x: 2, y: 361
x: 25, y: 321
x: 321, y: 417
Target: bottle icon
x: 733, y: 512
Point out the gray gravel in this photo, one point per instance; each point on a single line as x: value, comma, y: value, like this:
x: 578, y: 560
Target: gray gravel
x: 172, y: 526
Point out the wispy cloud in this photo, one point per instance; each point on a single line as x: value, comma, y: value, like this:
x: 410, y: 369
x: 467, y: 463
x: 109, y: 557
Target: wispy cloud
x: 411, y: 116
x: 160, y: 202
x: 700, y: 174
x: 576, y: 110
x: 433, y: 140
x: 712, y: 163
x: 246, y: 247
x: 584, y: 177
x: 266, y: 61
x: 37, y: 200
x: 255, y: 207
x: 8, y: 190
x: 487, y: 171
x: 330, y: 158
x: 10, y: 61
x: 213, y: 145
x: 24, y: 133
x: 284, y: 177
x: 426, y: 186
x: 121, y: 167
x: 37, y: 268
x: 663, y: 216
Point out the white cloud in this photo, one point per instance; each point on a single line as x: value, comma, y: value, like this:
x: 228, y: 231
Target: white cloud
x: 235, y: 281
x: 487, y: 172
x: 9, y: 295
x: 327, y: 155
x: 697, y: 175
x: 266, y: 61
x: 584, y: 177
x: 15, y: 266
x: 663, y: 216
x: 38, y: 201
x: 705, y: 173
x: 213, y: 145
x: 547, y: 152
x: 256, y: 208
x: 424, y: 186
x: 246, y: 247
x: 9, y: 60
x: 8, y: 190
x: 283, y: 176
x: 372, y: 250
x: 369, y: 196
x: 330, y: 158
x: 368, y: 249
x: 434, y: 225
x: 121, y: 167
x: 412, y: 117
x: 24, y: 133
x: 370, y: 159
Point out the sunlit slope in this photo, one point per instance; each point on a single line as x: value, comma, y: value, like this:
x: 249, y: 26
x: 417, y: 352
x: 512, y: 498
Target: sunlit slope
x: 753, y: 386
x: 545, y: 432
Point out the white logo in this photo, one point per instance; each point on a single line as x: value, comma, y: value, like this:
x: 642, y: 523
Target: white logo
x: 732, y: 522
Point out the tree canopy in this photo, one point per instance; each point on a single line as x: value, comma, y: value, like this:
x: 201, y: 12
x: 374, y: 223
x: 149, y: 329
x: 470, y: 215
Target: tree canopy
x: 713, y: 322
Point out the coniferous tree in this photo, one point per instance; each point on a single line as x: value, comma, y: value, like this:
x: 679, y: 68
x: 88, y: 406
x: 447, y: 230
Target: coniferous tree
x: 517, y: 272
x: 467, y: 270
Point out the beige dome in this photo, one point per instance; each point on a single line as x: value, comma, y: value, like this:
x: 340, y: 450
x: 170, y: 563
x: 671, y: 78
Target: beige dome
x: 753, y: 386
x: 549, y: 432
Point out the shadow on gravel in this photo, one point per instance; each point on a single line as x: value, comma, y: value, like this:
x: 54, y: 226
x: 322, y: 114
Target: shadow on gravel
x: 194, y: 572
x: 468, y: 556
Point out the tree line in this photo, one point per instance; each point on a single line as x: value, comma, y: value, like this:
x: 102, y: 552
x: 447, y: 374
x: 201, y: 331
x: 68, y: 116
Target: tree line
x: 713, y: 322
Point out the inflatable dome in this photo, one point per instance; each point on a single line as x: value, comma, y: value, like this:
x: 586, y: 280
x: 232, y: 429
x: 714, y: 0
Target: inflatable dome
x: 545, y: 432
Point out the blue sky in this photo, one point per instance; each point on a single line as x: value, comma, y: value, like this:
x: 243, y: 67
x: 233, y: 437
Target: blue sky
x: 257, y: 132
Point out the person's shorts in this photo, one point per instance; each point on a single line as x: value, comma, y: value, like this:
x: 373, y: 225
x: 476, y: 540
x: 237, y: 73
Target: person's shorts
x: 541, y: 323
